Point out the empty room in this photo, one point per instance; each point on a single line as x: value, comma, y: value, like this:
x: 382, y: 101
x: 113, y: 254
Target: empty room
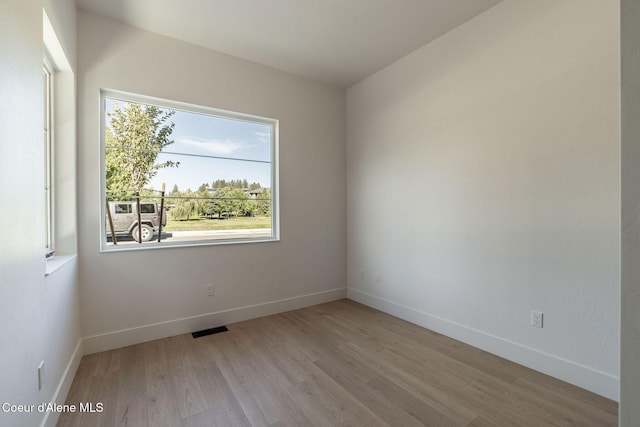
x: 320, y: 213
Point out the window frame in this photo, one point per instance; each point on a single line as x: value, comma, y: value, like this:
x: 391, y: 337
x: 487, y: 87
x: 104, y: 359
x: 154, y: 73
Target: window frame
x: 197, y: 109
x: 49, y: 172
x: 63, y: 154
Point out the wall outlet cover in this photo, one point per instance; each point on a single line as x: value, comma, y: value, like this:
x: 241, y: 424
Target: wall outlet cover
x: 537, y: 319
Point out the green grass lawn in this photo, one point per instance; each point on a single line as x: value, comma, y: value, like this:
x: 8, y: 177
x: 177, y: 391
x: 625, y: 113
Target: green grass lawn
x: 241, y: 223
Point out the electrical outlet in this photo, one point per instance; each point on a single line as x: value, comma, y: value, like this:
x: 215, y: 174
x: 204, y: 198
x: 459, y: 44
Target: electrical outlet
x: 379, y: 279
x: 210, y: 290
x: 41, y: 375
x: 536, y: 319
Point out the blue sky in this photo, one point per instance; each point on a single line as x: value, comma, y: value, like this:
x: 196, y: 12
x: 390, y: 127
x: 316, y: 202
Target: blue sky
x: 211, y: 136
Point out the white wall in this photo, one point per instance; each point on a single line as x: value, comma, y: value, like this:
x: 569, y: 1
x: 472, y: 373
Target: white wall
x: 39, y: 316
x: 135, y: 296
x: 483, y: 183
x: 630, y: 325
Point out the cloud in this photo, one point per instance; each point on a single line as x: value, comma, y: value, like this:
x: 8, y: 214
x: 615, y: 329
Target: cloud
x: 263, y: 136
x: 218, y: 147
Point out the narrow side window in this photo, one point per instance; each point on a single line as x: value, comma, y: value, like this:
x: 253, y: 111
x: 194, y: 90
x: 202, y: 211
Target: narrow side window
x: 47, y: 81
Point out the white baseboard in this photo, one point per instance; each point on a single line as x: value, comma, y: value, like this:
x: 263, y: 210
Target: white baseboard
x: 125, y: 337
x: 582, y: 376
x: 51, y: 418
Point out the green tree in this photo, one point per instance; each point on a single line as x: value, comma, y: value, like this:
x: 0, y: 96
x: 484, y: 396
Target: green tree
x: 203, y: 204
x: 135, y: 135
x: 219, y: 183
x: 185, y: 208
x: 228, y: 200
x: 263, y: 204
x: 234, y: 183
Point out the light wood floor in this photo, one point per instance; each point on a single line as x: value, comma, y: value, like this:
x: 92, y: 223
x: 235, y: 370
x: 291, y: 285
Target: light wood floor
x: 336, y: 364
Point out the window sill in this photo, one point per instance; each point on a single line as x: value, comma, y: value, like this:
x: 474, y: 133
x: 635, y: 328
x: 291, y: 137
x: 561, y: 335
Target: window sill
x: 185, y: 244
x: 54, y: 263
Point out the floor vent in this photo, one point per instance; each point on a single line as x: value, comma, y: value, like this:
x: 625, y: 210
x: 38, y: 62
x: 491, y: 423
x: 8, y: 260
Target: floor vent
x: 211, y: 331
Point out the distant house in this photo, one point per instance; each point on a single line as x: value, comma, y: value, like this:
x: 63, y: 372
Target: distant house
x: 255, y: 193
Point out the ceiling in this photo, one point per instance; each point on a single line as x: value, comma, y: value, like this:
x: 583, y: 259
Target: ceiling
x: 339, y: 42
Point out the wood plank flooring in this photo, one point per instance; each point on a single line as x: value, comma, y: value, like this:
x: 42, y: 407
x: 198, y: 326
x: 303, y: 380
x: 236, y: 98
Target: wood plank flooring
x: 335, y: 364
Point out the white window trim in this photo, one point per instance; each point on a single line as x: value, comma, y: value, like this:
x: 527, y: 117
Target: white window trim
x: 183, y: 106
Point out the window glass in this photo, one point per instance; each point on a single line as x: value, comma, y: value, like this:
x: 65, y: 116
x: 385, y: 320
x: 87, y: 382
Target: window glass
x: 211, y: 173
x: 48, y: 154
x: 123, y: 208
x: 147, y: 208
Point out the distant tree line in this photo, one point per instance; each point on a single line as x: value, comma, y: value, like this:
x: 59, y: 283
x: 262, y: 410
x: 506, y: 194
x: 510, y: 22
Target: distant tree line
x: 222, y: 200
x: 235, y: 183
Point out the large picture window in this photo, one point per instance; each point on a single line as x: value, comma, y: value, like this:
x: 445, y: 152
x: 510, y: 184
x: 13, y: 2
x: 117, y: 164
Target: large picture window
x: 180, y: 174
